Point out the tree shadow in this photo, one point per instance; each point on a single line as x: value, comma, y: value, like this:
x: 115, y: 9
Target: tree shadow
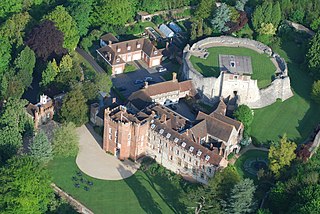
x: 141, y: 192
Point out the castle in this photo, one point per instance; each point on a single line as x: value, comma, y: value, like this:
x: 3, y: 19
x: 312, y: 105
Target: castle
x: 146, y: 127
x: 234, y: 79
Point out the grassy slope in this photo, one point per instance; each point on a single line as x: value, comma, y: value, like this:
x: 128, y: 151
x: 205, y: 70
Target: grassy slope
x: 138, y: 194
x: 296, y: 116
x: 263, y: 68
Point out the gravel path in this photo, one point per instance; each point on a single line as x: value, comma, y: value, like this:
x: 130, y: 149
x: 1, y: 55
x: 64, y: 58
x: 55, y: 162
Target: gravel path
x: 93, y: 161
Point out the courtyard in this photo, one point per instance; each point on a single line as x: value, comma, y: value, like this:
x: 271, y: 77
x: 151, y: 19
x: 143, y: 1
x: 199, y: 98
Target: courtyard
x: 262, y: 66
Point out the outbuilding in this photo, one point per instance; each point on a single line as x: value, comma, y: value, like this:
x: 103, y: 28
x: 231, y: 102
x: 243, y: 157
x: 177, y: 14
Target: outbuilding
x: 175, y: 27
x: 166, y: 31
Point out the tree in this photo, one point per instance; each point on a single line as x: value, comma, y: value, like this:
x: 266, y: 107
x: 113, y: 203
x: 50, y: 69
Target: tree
x: 204, y: 9
x: 281, y: 155
x: 5, y: 54
x: 200, y: 28
x: 245, y: 115
x: 80, y: 11
x: 8, y: 7
x: 10, y: 143
x: 241, y: 198
x: 315, y: 93
x: 103, y: 82
x: 46, y: 41
x: 313, y: 55
x: 66, y: 141
x: 65, y: 23
x: 27, y: 187
x: 14, y: 28
x: 267, y: 29
x: 69, y: 72
x: 50, y: 73
x: 40, y: 148
x: 276, y: 15
x: 266, y: 14
x: 240, y: 4
x: 193, y: 33
x: 115, y: 13
x: 24, y: 65
x: 74, y: 108
x: 220, y: 18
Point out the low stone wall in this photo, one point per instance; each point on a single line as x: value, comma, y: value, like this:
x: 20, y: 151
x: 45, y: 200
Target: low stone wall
x: 211, y: 88
x: 73, y: 202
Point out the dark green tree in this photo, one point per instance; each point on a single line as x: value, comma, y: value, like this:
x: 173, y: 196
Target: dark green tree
x: 220, y: 17
x: 313, y: 55
x: 27, y: 187
x: 276, y: 14
x: 245, y: 115
x: 315, y: 93
x: 74, y: 108
x: 5, y: 54
x: 241, y: 198
x: 24, y: 65
x: 65, y: 23
x: 50, y: 73
x: 41, y: 148
x: 204, y: 9
x: 80, y: 10
x: 66, y: 141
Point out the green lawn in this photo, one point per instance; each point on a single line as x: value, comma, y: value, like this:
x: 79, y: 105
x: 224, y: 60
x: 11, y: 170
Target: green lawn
x: 249, y: 154
x: 141, y: 193
x: 263, y: 68
x: 296, y: 116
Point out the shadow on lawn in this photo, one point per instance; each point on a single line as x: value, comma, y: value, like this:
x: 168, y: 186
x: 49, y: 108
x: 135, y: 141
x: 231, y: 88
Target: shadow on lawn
x: 208, y: 71
x: 143, y: 195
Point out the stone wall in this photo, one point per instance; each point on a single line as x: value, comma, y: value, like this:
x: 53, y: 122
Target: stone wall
x: 211, y: 88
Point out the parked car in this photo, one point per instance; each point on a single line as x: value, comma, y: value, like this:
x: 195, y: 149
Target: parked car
x: 162, y: 69
x: 136, y: 82
x: 147, y: 79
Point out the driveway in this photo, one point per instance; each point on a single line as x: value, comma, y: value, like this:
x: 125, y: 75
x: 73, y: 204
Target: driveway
x: 93, y: 161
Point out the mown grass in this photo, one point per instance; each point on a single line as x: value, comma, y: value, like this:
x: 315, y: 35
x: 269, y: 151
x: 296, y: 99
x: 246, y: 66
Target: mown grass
x: 140, y: 193
x: 263, y: 68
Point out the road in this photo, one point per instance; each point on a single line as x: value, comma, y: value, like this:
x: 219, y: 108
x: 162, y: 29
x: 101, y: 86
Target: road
x: 90, y: 59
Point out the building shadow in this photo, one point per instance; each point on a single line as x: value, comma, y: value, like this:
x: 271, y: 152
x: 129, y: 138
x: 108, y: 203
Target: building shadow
x: 208, y: 70
x: 95, y: 135
x: 141, y: 192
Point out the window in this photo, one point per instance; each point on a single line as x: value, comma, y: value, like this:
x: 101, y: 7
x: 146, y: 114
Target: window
x: 199, y: 153
x: 191, y: 149
x: 184, y: 156
x: 153, y: 126
x: 168, y: 135
x: 110, y: 131
x: 166, y: 144
x: 207, y: 158
x: 170, y: 157
x: 118, y: 59
x: 161, y: 131
x: 138, y: 45
x: 190, y: 159
x: 176, y: 140
x: 209, y: 170
x: 183, y: 144
x: 155, y: 52
x: 110, y: 137
x: 177, y: 152
x: 118, y: 50
x: 129, y: 48
x: 171, y: 148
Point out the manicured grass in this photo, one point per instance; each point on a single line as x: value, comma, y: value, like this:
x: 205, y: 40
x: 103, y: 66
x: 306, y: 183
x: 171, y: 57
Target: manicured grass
x: 249, y: 154
x: 141, y: 193
x: 296, y: 116
x: 262, y: 67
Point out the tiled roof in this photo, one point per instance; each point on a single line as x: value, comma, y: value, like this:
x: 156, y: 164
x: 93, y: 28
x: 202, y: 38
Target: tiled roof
x: 109, y: 37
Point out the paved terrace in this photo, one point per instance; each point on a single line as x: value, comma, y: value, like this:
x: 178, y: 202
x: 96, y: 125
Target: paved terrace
x: 93, y: 161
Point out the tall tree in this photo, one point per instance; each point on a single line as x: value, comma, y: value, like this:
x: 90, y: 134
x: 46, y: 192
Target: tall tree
x: 5, y: 54
x: 46, y: 41
x: 241, y: 198
x: 220, y: 17
x: 14, y: 27
x: 281, y: 154
x: 8, y: 7
x: 276, y: 14
x: 204, y: 9
x: 41, y: 148
x: 103, y: 82
x: 50, y: 73
x: 112, y: 12
x: 65, y: 23
x: 66, y: 141
x: 245, y: 115
x: 24, y: 65
x: 315, y: 93
x: 74, y: 108
x: 313, y: 55
x: 69, y: 72
x: 80, y: 11
x: 240, y: 4
x: 27, y: 187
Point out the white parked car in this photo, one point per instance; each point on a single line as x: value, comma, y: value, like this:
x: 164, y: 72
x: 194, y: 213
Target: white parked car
x: 162, y: 69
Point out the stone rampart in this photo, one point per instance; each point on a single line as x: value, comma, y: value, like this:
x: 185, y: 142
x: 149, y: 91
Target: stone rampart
x: 212, y: 88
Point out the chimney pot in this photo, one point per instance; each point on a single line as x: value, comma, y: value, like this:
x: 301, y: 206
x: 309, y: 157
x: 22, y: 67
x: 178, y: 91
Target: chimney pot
x: 146, y: 84
x: 110, y: 42
x: 114, y: 100
x: 174, y: 76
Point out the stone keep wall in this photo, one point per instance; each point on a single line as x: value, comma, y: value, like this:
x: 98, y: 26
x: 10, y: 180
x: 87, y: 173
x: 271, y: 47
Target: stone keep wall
x: 211, y: 88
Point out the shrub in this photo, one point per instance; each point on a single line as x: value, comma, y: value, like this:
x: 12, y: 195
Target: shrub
x: 66, y: 141
x: 315, y: 94
x: 129, y: 68
x: 157, y: 20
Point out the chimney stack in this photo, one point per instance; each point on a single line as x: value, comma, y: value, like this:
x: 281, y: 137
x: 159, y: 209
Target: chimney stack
x: 174, y: 77
x: 110, y: 42
x: 146, y: 84
x: 114, y: 100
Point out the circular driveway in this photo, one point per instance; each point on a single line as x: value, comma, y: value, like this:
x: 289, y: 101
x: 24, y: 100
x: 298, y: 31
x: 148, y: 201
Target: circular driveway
x: 93, y: 161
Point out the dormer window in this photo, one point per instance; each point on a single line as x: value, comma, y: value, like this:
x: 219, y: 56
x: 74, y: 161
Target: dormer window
x: 191, y: 149
x: 118, y: 59
x: 183, y: 144
x: 138, y: 45
x: 207, y: 158
x: 176, y: 140
x: 232, y: 64
x: 199, y: 153
x: 129, y: 48
x: 168, y: 135
x: 155, y: 52
x: 118, y: 50
x: 153, y: 126
x: 161, y: 131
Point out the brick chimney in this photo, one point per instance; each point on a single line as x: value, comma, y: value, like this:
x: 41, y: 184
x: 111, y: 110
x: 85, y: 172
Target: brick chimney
x: 110, y: 43
x: 114, y: 100
x: 146, y: 84
x: 174, y: 77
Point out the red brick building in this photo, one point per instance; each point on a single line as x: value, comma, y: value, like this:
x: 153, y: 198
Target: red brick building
x: 117, y: 54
